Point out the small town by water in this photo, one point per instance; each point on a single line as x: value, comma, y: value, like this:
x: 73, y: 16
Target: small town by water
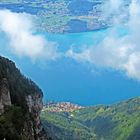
x: 61, y: 107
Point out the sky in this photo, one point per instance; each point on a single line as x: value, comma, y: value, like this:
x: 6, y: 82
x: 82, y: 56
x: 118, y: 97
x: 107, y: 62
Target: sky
x: 99, y: 67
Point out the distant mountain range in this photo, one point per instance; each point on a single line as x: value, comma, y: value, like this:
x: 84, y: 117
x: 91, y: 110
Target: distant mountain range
x: 119, y: 121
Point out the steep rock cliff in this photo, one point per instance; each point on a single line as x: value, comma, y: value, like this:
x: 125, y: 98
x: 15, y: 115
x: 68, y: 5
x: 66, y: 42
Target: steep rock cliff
x: 20, y: 105
x: 5, y: 100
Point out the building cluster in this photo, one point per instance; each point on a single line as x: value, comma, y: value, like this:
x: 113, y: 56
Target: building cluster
x: 61, y: 107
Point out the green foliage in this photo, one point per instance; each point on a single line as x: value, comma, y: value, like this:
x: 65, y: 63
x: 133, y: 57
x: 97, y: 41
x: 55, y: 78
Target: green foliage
x: 115, y: 122
x: 14, y: 118
x: 18, y: 84
x: 11, y: 124
x: 60, y: 126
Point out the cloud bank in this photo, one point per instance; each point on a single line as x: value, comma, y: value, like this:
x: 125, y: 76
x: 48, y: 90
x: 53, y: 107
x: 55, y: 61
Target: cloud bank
x: 23, y: 41
x: 120, y: 53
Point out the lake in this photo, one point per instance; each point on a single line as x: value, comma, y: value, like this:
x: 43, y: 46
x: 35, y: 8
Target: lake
x: 68, y: 80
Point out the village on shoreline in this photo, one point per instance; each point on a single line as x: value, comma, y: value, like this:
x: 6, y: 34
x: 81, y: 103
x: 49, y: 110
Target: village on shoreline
x: 61, y: 107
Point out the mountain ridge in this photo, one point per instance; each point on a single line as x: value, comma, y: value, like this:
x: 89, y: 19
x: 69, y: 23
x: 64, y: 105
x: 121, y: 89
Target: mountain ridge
x: 20, y: 105
x: 119, y: 121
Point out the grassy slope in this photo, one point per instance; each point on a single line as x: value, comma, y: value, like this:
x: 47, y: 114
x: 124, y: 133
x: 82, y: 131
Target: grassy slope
x: 65, y: 127
x: 119, y: 121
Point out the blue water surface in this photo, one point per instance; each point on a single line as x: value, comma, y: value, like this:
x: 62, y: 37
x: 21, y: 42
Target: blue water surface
x: 68, y: 80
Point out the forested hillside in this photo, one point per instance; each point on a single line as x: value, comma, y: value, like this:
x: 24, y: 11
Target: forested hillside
x: 20, y: 105
x: 120, y: 121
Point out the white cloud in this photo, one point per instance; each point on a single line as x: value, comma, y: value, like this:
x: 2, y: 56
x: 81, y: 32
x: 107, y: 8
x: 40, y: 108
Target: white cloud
x: 23, y: 41
x: 113, y: 8
x: 120, y: 53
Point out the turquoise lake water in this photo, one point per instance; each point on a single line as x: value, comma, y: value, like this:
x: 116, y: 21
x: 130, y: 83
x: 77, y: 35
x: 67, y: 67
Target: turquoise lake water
x: 68, y: 80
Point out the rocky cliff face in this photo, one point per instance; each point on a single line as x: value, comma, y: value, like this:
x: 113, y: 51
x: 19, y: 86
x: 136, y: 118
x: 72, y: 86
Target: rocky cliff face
x: 5, y: 100
x: 35, y: 106
x: 20, y: 105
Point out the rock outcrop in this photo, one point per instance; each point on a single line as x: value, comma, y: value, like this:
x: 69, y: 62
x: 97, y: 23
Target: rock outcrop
x: 20, y: 105
x: 5, y: 99
x: 35, y: 106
